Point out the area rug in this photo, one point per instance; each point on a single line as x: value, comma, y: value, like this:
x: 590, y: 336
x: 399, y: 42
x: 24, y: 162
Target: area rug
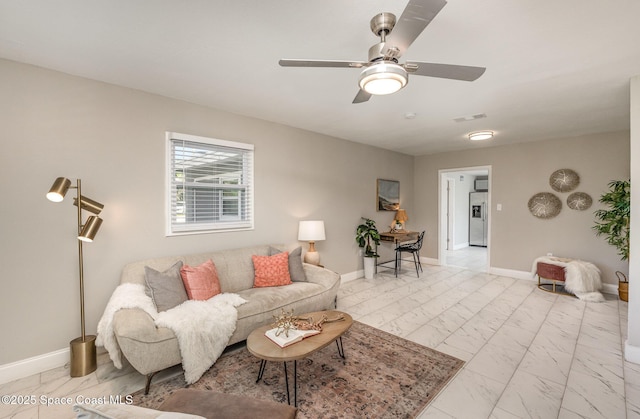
x: 383, y: 376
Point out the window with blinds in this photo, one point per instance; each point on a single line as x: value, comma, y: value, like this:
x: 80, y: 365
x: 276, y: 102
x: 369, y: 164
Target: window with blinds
x: 210, y: 184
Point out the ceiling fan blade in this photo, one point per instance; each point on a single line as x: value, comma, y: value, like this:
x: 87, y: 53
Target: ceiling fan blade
x: 362, y: 96
x: 444, y: 71
x: 321, y: 63
x: 415, y: 17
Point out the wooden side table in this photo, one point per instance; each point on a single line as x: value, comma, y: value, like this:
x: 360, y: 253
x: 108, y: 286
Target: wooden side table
x: 396, y: 238
x: 399, y: 237
x: 263, y: 348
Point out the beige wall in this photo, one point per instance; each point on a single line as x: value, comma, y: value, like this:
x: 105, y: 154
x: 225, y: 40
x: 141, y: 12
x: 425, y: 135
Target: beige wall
x: 518, y: 172
x: 113, y: 138
x: 632, y: 350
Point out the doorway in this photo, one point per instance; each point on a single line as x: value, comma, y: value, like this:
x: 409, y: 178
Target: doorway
x: 465, y: 217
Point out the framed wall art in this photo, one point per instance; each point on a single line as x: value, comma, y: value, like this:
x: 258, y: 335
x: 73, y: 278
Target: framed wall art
x: 388, y: 195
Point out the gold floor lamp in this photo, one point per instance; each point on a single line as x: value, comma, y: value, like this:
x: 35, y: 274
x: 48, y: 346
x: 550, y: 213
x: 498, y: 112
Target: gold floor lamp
x: 83, y: 349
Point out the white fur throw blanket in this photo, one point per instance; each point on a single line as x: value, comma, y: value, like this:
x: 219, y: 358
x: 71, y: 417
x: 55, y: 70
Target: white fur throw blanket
x: 203, y: 328
x: 581, y: 278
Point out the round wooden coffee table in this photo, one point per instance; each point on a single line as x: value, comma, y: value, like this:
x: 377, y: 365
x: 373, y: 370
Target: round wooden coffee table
x: 266, y: 350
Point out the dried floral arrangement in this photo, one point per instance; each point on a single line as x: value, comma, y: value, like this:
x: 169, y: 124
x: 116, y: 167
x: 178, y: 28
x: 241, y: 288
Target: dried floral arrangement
x: 287, y: 321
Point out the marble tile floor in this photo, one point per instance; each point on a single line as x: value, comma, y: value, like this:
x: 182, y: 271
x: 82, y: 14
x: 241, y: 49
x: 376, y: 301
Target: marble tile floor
x: 528, y: 353
x: 470, y: 257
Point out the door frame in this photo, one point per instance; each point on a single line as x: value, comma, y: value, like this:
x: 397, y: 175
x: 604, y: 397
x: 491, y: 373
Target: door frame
x: 443, y: 175
x: 450, y: 213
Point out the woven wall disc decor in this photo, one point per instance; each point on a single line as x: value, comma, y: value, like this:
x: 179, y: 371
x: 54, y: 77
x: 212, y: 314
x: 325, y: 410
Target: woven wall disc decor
x: 579, y: 201
x: 564, y: 180
x: 545, y: 205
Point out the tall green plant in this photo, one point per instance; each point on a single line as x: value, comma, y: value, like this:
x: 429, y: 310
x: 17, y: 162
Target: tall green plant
x: 366, y: 233
x: 614, y: 221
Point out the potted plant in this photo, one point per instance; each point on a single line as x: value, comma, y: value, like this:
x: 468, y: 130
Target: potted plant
x: 613, y: 223
x: 367, y: 234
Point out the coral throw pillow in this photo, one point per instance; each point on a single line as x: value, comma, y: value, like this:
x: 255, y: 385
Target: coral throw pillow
x: 271, y: 271
x: 201, y: 282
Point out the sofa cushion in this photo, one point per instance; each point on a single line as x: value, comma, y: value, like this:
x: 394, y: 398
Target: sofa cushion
x: 266, y: 299
x: 201, y: 282
x: 271, y: 271
x: 165, y: 288
x: 296, y: 270
x: 234, y: 267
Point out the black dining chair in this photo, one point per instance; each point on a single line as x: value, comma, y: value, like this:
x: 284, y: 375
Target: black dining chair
x: 414, y: 249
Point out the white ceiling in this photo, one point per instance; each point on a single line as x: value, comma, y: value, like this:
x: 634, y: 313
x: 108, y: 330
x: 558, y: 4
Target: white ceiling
x: 554, y: 68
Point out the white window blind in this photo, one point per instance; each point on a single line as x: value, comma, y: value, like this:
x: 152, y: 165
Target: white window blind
x: 210, y: 184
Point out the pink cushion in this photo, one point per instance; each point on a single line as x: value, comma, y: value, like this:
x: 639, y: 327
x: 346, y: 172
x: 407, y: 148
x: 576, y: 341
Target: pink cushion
x: 201, y: 282
x: 271, y: 271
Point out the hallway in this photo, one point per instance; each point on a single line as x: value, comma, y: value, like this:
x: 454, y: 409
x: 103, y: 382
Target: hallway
x: 473, y: 258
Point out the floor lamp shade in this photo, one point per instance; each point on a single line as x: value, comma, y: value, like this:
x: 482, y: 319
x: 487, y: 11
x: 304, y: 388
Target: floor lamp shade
x: 83, y: 349
x: 311, y: 231
x: 89, y: 204
x: 58, y: 189
x: 90, y: 228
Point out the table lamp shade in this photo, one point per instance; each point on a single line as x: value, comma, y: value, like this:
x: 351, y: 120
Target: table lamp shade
x: 401, y: 215
x: 311, y: 231
x: 398, y: 220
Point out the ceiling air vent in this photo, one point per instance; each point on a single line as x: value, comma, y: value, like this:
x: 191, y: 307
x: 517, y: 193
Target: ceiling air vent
x: 470, y: 117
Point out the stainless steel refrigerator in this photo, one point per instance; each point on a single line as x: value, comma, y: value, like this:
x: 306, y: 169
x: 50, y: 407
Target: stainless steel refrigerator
x: 478, y: 222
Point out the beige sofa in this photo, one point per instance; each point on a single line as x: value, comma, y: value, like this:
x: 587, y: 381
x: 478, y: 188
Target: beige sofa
x: 150, y: 349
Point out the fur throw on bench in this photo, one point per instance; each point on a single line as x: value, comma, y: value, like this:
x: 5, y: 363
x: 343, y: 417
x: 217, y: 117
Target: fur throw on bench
x: 581, y: 278
x: 203, y: 328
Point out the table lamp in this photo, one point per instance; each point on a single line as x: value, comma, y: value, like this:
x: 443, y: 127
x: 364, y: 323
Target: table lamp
x: 311, y: 231
x: 399, y: 220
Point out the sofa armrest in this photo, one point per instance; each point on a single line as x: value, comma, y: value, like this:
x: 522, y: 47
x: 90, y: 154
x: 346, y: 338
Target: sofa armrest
x: 138, y: 336
x: 134, y: 323
x: 322, y: 276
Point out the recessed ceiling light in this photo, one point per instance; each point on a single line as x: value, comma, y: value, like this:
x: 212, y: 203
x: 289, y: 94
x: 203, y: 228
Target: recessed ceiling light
x: 410, y: 115
x: 480, y: 135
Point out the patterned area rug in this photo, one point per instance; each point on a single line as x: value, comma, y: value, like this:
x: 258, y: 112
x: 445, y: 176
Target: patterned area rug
x: 383, y: 376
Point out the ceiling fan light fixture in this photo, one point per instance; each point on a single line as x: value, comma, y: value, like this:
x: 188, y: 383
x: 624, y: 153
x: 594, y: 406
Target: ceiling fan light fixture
x: 383, y: 79
x: 480, y: 135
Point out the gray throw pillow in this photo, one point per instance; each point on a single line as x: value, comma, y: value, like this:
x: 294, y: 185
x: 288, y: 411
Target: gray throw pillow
x: 165, y: 288
x: 296, y: 271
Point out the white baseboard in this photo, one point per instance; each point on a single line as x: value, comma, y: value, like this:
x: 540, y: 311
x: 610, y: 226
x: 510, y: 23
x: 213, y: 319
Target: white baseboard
x: 351, y: 276
x: 610, y: 289
x: 606, y: 288
x: 512, y: 273
x: 35, y: 365
x: 460, y: 246
x: 631, y: 353
x: 429, y: 261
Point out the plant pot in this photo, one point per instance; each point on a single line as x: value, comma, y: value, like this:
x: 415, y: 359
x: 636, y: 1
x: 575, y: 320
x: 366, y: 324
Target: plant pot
x: 369, y: 267
x: 623, y: 286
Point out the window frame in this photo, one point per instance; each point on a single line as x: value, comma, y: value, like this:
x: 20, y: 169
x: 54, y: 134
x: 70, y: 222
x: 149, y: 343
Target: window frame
x: 226, y: 222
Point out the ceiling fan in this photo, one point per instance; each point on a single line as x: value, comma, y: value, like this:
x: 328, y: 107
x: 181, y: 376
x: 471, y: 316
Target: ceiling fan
x: 382, y: 74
